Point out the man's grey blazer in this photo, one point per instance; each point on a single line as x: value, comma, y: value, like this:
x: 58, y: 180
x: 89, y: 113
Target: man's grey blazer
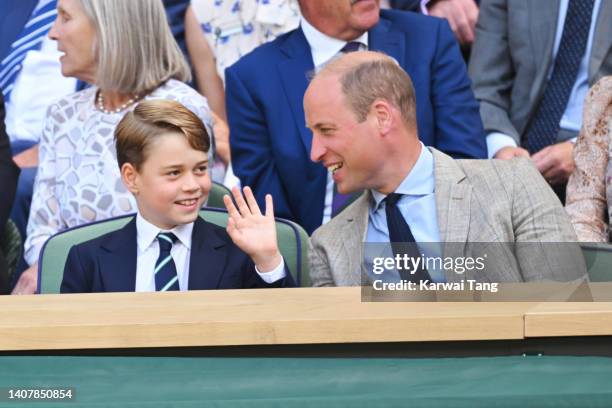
x: 485, y: 201
x: 512, y: 56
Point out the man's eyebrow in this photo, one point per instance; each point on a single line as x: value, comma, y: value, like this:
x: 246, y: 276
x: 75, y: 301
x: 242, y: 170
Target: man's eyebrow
x: 322, y: 124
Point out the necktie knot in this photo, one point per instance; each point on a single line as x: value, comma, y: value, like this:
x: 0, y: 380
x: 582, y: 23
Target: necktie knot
x: 351, y: 46
x: 166, y: 240
x: 392, y: 199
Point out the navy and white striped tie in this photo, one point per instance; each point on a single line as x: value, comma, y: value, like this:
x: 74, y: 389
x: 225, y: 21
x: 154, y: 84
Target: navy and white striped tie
x: 165, y: 269
x: 31, y: 38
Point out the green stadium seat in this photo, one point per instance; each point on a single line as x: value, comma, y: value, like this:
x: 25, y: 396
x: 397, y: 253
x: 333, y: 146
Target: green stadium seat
x: 292, y: 239
x: 598, y: 258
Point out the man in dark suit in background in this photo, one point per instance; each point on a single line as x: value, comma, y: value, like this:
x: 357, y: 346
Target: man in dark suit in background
x: 532, y: 64
x: 270, y: 142
x: 9, y: 173
x: 461, y: 14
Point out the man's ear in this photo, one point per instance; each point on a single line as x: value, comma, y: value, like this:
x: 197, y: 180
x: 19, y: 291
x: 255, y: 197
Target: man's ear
x: 129, y: 176
x: 382, y: 112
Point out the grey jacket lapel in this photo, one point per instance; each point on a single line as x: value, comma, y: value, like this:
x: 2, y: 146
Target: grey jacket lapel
x: 543, y: 15
x: 354, y: 231
x: 453, y: 206
x: 602, y: 40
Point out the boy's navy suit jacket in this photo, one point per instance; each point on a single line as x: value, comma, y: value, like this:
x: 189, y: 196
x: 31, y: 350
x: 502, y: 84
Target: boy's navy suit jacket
x: 108, y: 263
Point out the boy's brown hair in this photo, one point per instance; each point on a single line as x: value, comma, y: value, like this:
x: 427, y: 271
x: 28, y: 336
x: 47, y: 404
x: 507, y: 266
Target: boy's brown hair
x: 151, y: 119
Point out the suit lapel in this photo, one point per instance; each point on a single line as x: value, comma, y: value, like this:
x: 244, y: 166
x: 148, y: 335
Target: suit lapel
x: 294, y: 77
x: 208, y: 257
x: 543, y: 15
x: 391, y: 43
x: 453, y: 206
x: 118, y: 260
x: 602, y: 40
x: 354, y: 231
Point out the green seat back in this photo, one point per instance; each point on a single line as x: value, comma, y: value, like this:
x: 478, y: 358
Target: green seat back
x: 215, y: 197
x: 292, y: 239
x: 598, y: 258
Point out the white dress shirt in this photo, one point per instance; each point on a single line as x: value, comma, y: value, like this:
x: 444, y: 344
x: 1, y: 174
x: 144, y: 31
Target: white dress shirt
x: 38, y: 85
x: 148, y: 252
x: 323, y: 48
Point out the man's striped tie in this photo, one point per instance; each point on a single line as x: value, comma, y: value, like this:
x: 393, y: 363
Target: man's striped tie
x: 31, y: 37
x: 165, y: 269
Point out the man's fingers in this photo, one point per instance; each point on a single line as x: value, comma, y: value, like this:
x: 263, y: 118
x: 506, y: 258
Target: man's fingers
x: 464, y: 32
x: 250, y: 198
x: 520, y: 152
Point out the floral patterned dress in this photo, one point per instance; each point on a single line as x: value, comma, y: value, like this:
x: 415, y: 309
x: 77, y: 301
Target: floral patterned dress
x: 589, y: 190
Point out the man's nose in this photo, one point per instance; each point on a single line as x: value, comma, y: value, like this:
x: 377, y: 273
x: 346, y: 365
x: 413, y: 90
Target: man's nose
x: 317, y: 150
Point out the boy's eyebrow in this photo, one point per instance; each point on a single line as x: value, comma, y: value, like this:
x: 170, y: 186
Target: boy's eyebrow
x: 178, y: 166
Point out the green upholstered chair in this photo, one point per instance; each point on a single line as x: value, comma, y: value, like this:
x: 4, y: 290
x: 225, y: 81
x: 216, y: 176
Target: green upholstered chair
x: 215, y: 197
x: 293, y: 244
x: 598, y: 258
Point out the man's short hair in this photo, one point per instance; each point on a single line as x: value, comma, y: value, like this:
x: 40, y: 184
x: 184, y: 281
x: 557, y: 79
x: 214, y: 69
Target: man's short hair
x: 377, y: 77
x: 153, y: 118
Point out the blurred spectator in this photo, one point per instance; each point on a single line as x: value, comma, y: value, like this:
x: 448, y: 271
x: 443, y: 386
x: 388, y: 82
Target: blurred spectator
x: 264, y: 90
x: 31, y: 79
x: 219, y: 32
x: 135, y: 57
x: 589, y: 190
x: 175, y: 11
x: 9, y: 173
x: 532, y: 64
x: 461, y: 14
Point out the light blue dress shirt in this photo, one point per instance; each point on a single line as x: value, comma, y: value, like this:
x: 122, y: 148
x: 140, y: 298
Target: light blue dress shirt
x: 418, y: 207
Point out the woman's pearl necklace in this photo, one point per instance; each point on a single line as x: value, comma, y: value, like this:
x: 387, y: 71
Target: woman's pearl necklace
x: 119, y: 109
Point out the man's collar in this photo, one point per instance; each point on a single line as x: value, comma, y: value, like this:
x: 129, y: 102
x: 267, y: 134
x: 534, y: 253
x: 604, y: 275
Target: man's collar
x: 147, y: 233
x: 323, y: 47
x: 418, y: 182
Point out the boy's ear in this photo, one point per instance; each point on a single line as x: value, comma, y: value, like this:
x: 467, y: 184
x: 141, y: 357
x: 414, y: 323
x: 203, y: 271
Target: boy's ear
x: 129, y: 176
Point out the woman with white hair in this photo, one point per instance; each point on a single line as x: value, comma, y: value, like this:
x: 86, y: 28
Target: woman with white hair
x: 126, y: 51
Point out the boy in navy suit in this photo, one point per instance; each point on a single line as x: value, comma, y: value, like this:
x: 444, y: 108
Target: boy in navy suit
x: 162, y: 153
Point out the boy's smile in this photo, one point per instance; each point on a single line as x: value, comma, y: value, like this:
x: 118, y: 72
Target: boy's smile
x: 172, y: 183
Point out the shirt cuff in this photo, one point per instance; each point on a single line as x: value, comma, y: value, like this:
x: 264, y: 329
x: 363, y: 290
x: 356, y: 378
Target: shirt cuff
x: 32, y: 253
x: 572, y: 140
x: 275, y: 274
x: 496, y: 141
x: 424, y: 10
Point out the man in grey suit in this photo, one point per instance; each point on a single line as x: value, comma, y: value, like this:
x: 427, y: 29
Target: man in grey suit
x: 361, y: 110
x: 531, y: 65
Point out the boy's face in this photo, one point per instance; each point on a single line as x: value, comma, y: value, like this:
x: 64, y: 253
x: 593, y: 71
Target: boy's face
x: 172, y: 183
